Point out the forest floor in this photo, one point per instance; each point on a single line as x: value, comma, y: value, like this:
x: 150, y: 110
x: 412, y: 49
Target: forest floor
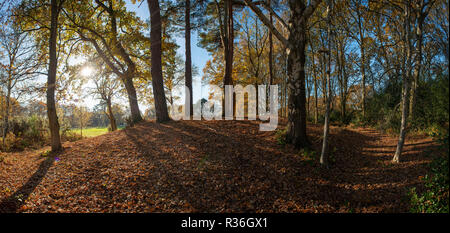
x: 215, y: 166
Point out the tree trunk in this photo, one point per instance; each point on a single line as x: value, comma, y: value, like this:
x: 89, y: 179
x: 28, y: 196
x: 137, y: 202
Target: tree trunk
x: 270, y: 58
x: 6, y: 109
x: 405, y: 88
x: 81, y: 121
x: 417, y: 67
x: 316, y: 108
x: 363, y: 63
x: 132, y: 99
x: 112, y: 119
x: 296, y: 132
x: 270, y: 49
x: 308, y: 93
x: 401, y: 139
x: 257, y: 99
x: 228, y: 51
x: 326, y: 128
x: 340, y: 64
x: 51, y: 80
x: 156, y: 70
x: 188, y: 63
x: 228, y: 80
x: 315, y: 85
x: 363, y: 83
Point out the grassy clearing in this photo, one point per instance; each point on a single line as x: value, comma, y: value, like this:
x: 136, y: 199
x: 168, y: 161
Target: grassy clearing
x: 91, y: 132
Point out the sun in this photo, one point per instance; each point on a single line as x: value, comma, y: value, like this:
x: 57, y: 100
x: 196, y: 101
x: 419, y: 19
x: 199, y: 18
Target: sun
x: 87, y: 71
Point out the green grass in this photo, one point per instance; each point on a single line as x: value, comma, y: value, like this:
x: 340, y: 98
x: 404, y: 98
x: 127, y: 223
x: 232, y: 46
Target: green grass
x: 91, y: 132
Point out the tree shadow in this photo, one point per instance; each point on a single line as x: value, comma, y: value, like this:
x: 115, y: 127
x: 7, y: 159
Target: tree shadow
x: 13, y: 202
x: 405, y: 145
x: 364, y: 176
x: 224, y: 180
x: 243, y: 171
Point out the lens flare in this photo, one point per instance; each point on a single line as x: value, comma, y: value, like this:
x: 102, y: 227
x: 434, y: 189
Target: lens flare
x: 87, y: 71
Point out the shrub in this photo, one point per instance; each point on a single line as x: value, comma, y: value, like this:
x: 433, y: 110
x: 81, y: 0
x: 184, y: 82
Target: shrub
x: 391, y: 121
x: 383, y: 108
x: 11, y: 142
x: 281, y: 136
x: 435, y: 199
x: 70, y: 136
x: 335, y: 116
x: 308, y: 154
x: 35, y: 128
x: 25, y: 132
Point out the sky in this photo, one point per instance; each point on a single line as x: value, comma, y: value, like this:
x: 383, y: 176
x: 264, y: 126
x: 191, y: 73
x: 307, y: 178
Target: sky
x: 199, y: 58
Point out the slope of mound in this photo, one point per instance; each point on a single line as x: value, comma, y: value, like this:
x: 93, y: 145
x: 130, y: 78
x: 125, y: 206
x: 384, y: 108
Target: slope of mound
x: 214, y: 166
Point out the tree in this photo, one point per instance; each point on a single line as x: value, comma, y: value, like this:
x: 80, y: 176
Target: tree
x: 295, y: 45
x: 156, y: 70
x: 253, y: 49
x: 409, y: 25
x: 19, y: 62
x: 106, y: 87
x: 360, y: 21
x: 188, y: 62
x: 344, y: 55
x: 269, y: 4
x: 229, y: 43
x: 109, y: 41
x: 440, y: 27
x: 312, y: 38
x: 51, y: 77
x: 326, y: 127
x: 219, y: 34
x: 421, y: 11
x: 83, y: 117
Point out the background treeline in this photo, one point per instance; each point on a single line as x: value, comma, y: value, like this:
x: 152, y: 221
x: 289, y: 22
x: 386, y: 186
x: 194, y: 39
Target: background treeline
x: 28, y: 128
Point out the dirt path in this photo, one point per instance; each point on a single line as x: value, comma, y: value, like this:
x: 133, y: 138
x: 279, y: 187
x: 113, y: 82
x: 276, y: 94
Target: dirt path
x: 214, y: 166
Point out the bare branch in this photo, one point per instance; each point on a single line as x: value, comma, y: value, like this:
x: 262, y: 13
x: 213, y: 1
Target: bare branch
x: 266, y: 21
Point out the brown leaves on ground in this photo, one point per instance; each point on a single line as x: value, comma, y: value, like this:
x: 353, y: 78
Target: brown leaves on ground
x: 214, y: 166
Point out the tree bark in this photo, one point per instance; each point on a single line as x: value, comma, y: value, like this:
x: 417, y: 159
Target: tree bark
x: 162, y: 114
x: 295, y: 45
x: 405, y: 89
x: 326, y: 128
x: 6, y: 109
x: 228, y: 50
x: 363, y: 63
x: 228, y: 79
x: 401, y: 139
x: 51, y: 79
x: 296, y: 131
x: 315, y: 86
x: 340, y: 60
x: 188, y: 62
x: 132, y: 99
x: 270, y: 49
x: 112, y: 119
x: 316, y: 102
x: 363, y: 82
x: 418, y: 65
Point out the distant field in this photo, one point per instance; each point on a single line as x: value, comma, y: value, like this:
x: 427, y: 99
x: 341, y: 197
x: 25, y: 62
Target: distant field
x: 91, y: 132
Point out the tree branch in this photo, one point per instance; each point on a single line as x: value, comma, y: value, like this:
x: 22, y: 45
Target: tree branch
x: 266, y: 21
